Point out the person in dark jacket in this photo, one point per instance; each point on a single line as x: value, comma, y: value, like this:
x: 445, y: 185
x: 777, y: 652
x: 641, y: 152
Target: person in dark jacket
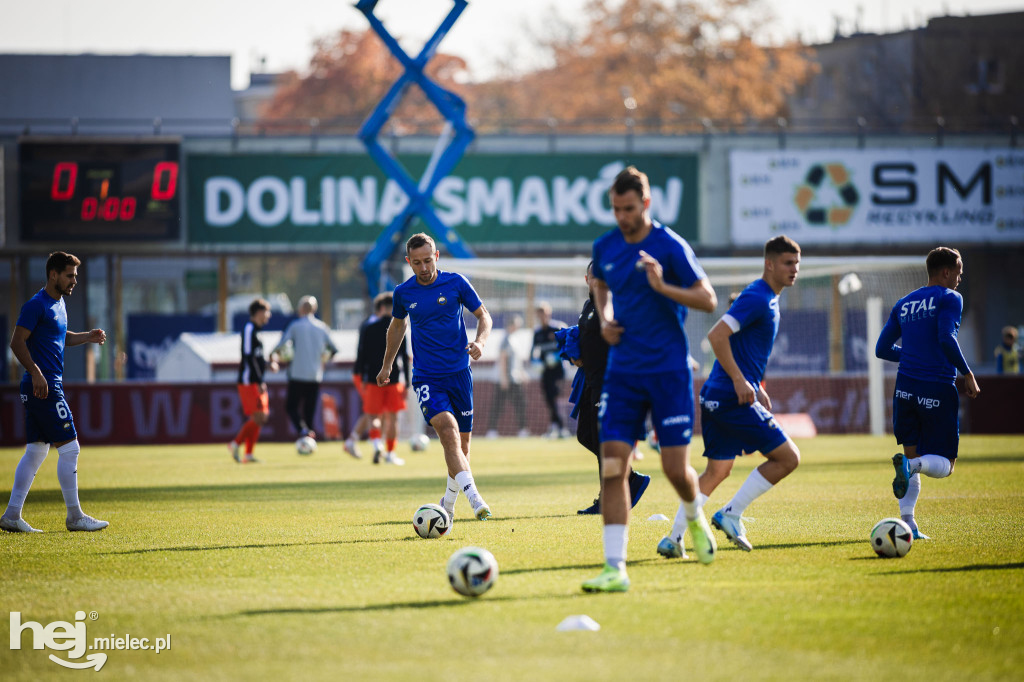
x: 252, y: 389
x: 592, y: 362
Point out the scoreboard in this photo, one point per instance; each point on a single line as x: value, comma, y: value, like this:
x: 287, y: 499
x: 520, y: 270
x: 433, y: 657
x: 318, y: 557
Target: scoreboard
x: 96, y: 189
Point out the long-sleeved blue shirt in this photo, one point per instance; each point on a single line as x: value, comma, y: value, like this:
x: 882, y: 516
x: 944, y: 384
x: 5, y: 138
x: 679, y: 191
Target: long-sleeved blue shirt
x: 928, y: 321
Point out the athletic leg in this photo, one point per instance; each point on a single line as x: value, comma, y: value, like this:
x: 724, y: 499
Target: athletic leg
x: 615, y: 514
x: 291, y: 405
x: 310, y: 400
x: 67, y: 475
x: 24, y: 475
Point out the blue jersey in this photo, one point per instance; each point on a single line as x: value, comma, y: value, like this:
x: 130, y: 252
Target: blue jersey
x: 653, y: 339
x: 754, y: 320
x: 439, y: 336
x: 47, y: 320
x: 928, y: 321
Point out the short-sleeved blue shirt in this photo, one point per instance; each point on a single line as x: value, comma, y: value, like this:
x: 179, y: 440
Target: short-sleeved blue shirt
x: 47, y: 320
x: 439, y: 336
x: 927, y: 319
x: 754, y: 319
x: 653, y: 339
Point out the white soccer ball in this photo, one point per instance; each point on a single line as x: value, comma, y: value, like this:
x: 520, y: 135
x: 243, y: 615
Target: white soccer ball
x: 431, y: 521
x: 891, y: 538
x: 419, y: 442
x: 472, y: 571
x: 305, y: 446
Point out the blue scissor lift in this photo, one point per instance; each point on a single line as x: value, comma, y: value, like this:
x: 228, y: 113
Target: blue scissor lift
x: 451, y: 146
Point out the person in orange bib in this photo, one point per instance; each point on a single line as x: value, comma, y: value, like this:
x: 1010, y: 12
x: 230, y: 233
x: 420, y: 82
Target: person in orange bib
x: 383, y: 403
x: 252, y: 389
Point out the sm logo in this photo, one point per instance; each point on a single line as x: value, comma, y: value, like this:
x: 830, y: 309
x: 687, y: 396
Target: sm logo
x: 898, y: 183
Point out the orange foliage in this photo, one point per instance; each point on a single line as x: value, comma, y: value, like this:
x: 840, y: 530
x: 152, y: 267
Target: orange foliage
x: 651, y: 60
x: 347, y: 77
x: 655, y: 60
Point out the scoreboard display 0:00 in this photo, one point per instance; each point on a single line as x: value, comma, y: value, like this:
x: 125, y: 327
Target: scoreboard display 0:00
x: 78, y: 190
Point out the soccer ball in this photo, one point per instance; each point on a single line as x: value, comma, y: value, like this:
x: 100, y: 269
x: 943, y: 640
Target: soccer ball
x: 419, y: 442
x: 891, y: 538
x: 472, y: 571
x: 431, y: 521
x: 305, y: 446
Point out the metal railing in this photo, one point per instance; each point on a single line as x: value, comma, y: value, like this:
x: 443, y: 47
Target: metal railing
x: 313, y: 128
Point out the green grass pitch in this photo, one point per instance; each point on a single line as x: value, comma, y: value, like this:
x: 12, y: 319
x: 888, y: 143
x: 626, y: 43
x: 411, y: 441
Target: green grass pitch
x: 303, y: 568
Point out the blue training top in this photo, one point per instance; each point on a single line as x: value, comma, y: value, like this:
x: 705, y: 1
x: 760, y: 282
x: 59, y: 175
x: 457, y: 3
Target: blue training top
x: 439, y: 336
x: 653, y: 338
x: 928, y: 321
x: 47, y: 320
x: 754, y: 320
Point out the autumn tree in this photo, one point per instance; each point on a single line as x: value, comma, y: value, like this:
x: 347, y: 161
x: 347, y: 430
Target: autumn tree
x: 654, y: 60
x: 650, y: 60
x: 348, y: 76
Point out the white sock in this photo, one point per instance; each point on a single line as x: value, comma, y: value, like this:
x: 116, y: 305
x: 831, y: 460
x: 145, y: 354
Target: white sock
x: 932, y: 466
x: 752, y: 488
x: 679, y: 524
x: 687, y: 512
x: 67, y: 475
x: 29, y: 465
x: 451, y: 494
x: 465, y: 483
x: 909, y: 501
x: 616, y: 537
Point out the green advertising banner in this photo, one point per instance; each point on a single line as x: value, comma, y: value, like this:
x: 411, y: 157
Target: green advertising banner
x: 491, y: 200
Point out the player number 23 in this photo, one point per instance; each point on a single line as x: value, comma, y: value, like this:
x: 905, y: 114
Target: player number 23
x: 422, y: 393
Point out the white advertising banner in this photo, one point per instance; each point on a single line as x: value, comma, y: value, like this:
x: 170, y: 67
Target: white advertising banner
x: 878, y: 196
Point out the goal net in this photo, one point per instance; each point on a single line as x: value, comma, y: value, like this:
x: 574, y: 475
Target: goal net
x: 823, y: 361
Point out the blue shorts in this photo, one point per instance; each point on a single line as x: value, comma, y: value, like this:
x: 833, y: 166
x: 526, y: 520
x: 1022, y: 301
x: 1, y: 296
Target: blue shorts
x: 452, y: 393
x: 628, y: 398
x: 49, y: 420
x: 926, y: 414
x: 730, y: 429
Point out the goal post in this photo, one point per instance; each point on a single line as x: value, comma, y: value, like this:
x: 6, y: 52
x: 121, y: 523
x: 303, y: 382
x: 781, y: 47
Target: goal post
x: 822, y: 364
x: 876, y: 368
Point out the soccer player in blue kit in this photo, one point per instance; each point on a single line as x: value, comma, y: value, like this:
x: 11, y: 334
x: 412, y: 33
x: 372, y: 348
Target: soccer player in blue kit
x: 925, y: 403
x: 735, y: 410
x: 433, y: 300
x: 40, y: 336
x: 645, y: 277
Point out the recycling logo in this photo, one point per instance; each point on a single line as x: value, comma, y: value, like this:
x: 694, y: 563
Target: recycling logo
x: 827, y: 195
